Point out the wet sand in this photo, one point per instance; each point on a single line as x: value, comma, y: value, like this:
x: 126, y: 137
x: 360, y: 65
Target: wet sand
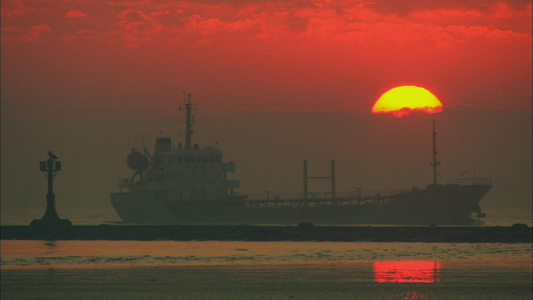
x: 457, y: 280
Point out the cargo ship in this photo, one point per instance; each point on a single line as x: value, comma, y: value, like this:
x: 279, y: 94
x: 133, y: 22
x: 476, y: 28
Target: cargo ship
x: 190, y: 185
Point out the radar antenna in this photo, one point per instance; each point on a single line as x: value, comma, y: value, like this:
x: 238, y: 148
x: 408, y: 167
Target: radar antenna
x: 189, y: 119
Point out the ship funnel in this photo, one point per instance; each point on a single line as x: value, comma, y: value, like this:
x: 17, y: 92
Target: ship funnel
x: 162, y: 145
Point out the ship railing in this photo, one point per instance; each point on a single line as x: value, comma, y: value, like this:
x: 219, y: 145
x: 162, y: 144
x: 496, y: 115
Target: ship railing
x: 359, y: 193
x: 281, y: 196
x: 341, y: 196
x: 473, y: 181
x: 317, y: 200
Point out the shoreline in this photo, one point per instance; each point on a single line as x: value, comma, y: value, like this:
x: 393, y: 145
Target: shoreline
x: 518, y: 233
x: 275, y: 264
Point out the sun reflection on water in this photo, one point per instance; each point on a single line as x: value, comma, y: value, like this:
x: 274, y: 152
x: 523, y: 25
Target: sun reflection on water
x: 407, y: 295
x: 407, y: 271
x: 410, y: 276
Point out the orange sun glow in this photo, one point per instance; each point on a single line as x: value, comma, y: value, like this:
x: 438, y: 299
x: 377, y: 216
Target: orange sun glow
x: 402, y: 100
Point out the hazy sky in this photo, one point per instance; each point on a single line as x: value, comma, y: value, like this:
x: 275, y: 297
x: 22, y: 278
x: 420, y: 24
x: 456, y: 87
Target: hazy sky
x: 276, y: 82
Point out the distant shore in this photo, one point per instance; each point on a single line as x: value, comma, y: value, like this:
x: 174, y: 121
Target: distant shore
x: 518, y: 233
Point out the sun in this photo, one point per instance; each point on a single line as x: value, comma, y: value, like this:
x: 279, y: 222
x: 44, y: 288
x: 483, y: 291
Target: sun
x: 402, y: 100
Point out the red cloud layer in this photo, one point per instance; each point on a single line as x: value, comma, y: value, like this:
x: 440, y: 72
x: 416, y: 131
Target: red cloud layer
x: 75, y: 14
x: 144, y: 22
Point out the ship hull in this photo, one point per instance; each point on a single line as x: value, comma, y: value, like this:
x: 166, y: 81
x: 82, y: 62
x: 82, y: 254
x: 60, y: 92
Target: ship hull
x: 139, y: 210
x: 437, y: 204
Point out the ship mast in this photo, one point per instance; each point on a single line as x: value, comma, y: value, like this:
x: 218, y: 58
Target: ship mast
x: 189, y: 121
x: 435, y: 163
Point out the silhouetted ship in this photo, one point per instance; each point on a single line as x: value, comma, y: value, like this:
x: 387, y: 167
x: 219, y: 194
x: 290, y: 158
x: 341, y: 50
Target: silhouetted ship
x: 190, y: 185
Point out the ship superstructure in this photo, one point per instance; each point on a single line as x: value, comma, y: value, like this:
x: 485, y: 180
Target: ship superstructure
x: 186, y: 174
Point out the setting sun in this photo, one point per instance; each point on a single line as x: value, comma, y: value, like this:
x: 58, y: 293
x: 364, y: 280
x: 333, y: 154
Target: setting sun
x: 402, y: 100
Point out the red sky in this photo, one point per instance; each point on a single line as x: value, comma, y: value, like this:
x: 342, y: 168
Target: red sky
x: 276, y: 82
x: 262, y: 55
